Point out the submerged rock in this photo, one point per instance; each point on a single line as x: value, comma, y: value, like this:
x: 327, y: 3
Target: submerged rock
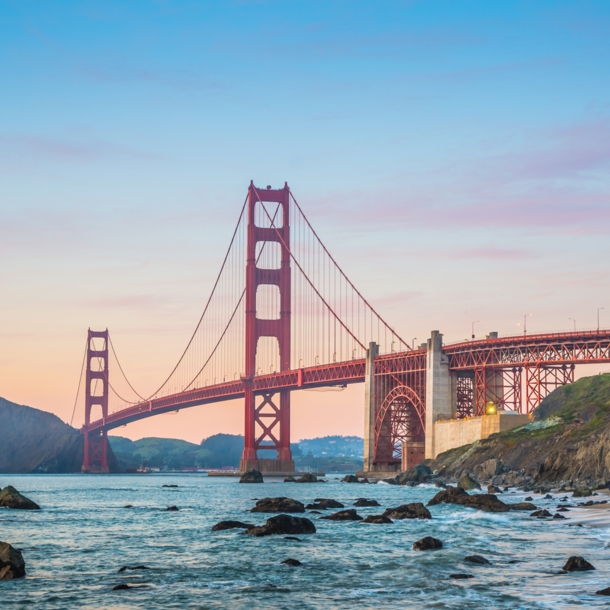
x: 350, y: 478
x: 121, y: 587
x: 461, y: 576
x: 170, y: 485
x: 289, y: 479
x: 292, y: 562
x: 11, y: 498
x: 344, y: 515
x: 478, y: 559
x: 456, y: 495
x: 522, y: 506
x: 577, y: 564
x: 251, y: 476
x: 360, y: 502
x: 278, y: 505
x: 171, y: 508
x: 467, y: 483
x: 427, y: 544
x: 605, y: 591
x: 228, y: 525
x: 283, y: 524
x: 132, y: 568
x: 307, y: 478
x: 377, y: 519
x: 12, y: 564
x: 414, y: 510
x: 541, y: 514
x: 492, y: 489
x: 328, y: 503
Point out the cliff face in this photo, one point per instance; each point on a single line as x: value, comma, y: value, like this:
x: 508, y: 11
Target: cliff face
x: 568, y: 442
x: 36, y: 441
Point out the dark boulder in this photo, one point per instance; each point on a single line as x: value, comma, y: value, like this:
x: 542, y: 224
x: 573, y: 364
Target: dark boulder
x: 522, y: 506
x: 128, y: 506
x: 292, y: 562
x: 329, y: 503
x: 492, y: 489
x: 228, y: 525
x: 478, y: 559
x: 427, y: 544
x: 170, y: 486
x: 314, y: 506
x: 12, y: 564
x: 461, y: 576
x: 361, y: 502
x: 582, y: 493
x: 278, y: 505
x: 529, y: 499
x: 292, y: 538
x: 377, y: 519
x: 548, y: 497
x: 11, y: 498
x: 417, y: 474
x: 344, y: 515
x: 251, y: 476
x: 467, y: 483
x: 563, y: 509
x: 132, y: 568
x: 541, y: 514
x: 290, y: 479
x: 350, y: 478
x: 121, y: 587
x: 307, y: 478
x: 415, y: 510
x: 456, y: 495
x: 558, y: 516
x: 605, y: 591
x: 283, y: 524
x: 577, y: 564
x: 172, y: 508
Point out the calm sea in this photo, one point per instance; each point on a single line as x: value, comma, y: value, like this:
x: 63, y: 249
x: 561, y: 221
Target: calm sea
x: 75, y: 546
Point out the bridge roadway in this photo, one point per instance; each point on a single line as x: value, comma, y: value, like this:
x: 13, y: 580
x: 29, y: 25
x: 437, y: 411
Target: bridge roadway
x: 522, y: 351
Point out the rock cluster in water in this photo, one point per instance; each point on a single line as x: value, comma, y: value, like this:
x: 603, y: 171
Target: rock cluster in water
x: 12, y: 564
x: 11, y: 498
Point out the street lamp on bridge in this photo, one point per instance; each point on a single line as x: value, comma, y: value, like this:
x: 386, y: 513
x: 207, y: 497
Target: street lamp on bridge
x: 525, y: 317
x: 598, y: 310
x: 573, y: 320
x: 475, y: 322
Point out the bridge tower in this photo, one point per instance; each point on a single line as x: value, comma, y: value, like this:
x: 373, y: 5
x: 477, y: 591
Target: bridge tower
x: 267, y: 424
x: 95, y: 458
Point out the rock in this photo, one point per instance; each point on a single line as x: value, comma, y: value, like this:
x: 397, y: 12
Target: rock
x: 467, y: 482
x: 131, y: 568
x: 488, y: 469
x: 172, y: 508
x: 121, y: 587
x: 350, y: 478
x: 289, y: 479
x: 283, y: 524
x: 292, y: 562
x: 418, y: 474
x: 522, y: 506
x: 365, y: 502
x: 558, y: 516
x: 377, y: 519
x: 251, y: 476
x: 329, y: 503
x: 541, y: 513
x: 390, y: 481
x: 414, y: 510
x: 12, y: 564
x: 128, y: 506
x: 11, y: 498
x: 478, y: 559
x: 228, y: 525
x: 456, y: 495
x: 605, y: 591
x: 461, y: 576
x: 563, y: 509
x: 529, y: 499
x: 307, y: 478
x: 292, y: 538
x: 577, y: 564
x: 440, y: 484
x: 344, y: 515
x: 548, y: 497
x: 492, y: 489
x: 278, y: 505
x: 315, y: 507
x: 427, y: 544
x: 315, y: 512
x: 170, y: 485
x: 365, y: 480
x: 582, y: 493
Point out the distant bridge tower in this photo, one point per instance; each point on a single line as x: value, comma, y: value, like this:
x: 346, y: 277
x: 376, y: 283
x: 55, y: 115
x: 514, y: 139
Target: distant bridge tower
x: 95, y: 457
x: 267, y: 425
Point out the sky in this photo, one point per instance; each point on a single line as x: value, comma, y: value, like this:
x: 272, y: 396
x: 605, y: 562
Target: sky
x: 453, y: 156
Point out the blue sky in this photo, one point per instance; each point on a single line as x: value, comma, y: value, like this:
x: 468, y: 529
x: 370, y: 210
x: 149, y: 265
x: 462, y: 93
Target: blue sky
x: 453, y: 156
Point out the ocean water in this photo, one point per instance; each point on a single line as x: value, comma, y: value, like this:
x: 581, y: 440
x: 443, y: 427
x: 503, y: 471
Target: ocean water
x: 75, y: 546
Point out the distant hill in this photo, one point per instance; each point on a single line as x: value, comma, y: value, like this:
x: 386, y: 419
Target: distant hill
x: 34, y: 441
x: 333, y: 446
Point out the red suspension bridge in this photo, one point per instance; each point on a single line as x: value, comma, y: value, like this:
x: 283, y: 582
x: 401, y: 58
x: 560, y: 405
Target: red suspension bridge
x: 293, y: 320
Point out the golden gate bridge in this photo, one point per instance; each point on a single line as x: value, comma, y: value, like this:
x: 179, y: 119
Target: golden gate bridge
x: 291, y: 320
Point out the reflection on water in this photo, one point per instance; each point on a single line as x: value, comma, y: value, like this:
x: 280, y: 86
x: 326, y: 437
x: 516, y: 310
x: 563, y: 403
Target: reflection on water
x: 74, y: 547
